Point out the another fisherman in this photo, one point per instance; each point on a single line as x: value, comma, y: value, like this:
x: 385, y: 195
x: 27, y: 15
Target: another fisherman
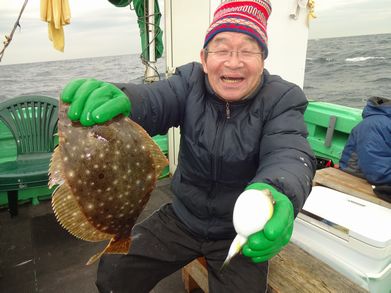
x: 241, y: 128
x: 367, y: 153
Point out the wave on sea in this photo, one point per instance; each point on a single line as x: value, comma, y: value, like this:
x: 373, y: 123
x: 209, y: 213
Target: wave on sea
x: 361, y: 59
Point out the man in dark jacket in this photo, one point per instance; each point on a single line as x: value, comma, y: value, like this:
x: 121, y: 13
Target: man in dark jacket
x: 367, y: 153
x: 241, y: 129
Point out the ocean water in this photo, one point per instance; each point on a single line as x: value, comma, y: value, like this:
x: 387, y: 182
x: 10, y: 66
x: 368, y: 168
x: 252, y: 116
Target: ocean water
x: 348, y: 70
x: 345, y: 70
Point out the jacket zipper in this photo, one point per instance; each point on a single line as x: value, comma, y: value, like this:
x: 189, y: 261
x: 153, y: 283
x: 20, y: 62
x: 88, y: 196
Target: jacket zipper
x: 227, y: 110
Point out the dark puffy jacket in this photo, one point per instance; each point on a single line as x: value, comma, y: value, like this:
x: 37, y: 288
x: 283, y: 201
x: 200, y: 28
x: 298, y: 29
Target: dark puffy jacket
x: 367, y: 152
x: 226, y: 146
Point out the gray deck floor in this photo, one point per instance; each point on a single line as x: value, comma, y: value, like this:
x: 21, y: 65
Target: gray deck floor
x: 38, y: 255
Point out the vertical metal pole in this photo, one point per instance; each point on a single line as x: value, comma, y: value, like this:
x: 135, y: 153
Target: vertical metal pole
x: 150, y: 70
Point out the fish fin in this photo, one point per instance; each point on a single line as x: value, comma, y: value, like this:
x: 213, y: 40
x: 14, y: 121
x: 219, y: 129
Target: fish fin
x: 70, y: 216
x: 115, y: 246
x: 55, y: 171
x: 159, y: 159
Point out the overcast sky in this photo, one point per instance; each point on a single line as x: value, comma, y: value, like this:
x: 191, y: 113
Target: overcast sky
x: 100, y: 29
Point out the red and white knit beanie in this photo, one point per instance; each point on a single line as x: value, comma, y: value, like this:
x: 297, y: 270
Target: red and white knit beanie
x: 247, y: 17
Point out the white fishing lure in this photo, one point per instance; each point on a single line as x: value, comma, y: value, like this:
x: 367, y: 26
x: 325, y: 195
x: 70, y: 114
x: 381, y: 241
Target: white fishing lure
x: 252, y: 210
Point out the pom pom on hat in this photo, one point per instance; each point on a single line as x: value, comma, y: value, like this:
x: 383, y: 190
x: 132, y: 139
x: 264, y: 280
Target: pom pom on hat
x: 247, y: 17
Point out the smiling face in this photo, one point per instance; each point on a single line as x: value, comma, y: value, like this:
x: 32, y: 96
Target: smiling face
x: 235, y: 76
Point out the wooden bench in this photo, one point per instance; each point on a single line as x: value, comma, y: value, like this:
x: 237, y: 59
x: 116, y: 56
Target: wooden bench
x: 293, y: 269
x: 344, y: 182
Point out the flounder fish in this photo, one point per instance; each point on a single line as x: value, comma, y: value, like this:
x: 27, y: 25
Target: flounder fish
x: 105, y: 174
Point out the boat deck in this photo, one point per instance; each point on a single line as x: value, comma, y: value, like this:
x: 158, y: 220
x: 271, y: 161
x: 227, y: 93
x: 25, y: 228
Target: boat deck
x: 38, y: 255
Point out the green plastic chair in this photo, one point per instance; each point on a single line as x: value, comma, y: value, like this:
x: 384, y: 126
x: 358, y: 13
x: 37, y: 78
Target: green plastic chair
x: 32, y: 121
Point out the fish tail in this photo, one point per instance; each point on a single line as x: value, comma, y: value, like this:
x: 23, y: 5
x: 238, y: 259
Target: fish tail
x: 115, y: 246
x: 234, y: 249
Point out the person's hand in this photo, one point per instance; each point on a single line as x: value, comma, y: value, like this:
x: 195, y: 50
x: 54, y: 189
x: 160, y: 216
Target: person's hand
x: 94, y: 101
x: 263, y: 245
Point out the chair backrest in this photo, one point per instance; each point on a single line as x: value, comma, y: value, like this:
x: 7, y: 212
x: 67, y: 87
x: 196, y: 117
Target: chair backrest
x: 32, y: 121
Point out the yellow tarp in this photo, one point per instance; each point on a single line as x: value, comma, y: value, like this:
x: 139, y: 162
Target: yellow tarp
x: 57, y: 14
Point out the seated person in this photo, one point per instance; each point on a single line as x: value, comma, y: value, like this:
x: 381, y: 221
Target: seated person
x: 367, y: 153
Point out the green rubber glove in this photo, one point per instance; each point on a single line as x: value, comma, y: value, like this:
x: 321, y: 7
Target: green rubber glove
x: 94, y: 101
x: 265, y: 244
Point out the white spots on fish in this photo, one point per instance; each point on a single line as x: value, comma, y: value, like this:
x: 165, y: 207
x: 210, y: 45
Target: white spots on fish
x: 101, y: 155
x: 99, y: 190
x: 117, y: 152
x: 149, y: 176
x: 139, y: 201
x: 301, y: 158
x: 115, y: 167
x: 121, y: 215
x: 101, y: 204
x: 71, y: 174
x: 120, y: 195
x: 82, y: 156
x: 96, y: 166
x: 115, y: 182
x: 88, y: 172
x: 138, y: 181
x: 92, y: 183
x: 110, y: 198
x: 143, y: 147
x: 88, y: 155
x: 138, y: 164
x: 305, y: 164
x: 127, y: 146
x: 108, y: 188
x: 124, y: 177
x: 90, y: 206
x: 109, y: 216
x: 65, y: 159
x: 79, y: 181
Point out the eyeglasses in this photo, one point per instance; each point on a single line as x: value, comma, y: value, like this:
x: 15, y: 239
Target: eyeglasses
x: 224, y: 55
